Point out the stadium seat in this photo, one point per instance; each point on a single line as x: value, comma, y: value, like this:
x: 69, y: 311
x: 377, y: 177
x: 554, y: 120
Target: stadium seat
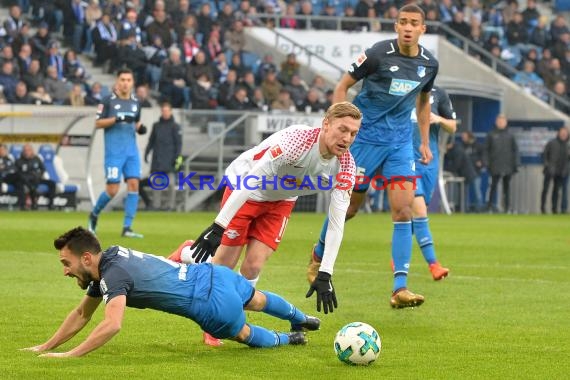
x: 16, y: 150
x: 47, y: 153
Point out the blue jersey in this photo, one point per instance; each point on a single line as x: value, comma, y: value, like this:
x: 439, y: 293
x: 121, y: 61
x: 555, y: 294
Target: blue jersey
x: 147, y: 281
x: 120, y: 139
x: 391, y: 83
x: 440, y: 105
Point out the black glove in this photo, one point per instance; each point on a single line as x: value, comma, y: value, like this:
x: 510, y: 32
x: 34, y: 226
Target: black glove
x: 325, y: 292
x: 125, y: 119
x: 142, y: 130
x: 206, y: 245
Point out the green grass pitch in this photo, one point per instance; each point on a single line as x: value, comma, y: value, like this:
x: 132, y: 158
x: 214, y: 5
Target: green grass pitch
x: 503, y: 313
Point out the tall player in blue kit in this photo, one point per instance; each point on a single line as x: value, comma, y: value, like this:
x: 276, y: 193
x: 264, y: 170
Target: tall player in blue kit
x: 442, y: 117
x: 118, y: 115
x: 397, y: 76
x: 213, y: 296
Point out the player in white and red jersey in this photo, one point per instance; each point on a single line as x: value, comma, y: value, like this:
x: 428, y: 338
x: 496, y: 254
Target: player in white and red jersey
x: 296, y: 161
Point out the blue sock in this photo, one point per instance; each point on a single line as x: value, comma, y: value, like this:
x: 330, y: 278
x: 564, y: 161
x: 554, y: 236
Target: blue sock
x: 424, y: 239
x: 131, y: 204
x: 401, y: 253
x: 278, y: 307
x: 102, y: 201
x: 261, y: 337
x: 320, y: 247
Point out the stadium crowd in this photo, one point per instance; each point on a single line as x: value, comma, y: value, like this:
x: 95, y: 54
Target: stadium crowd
x: 193, y: 53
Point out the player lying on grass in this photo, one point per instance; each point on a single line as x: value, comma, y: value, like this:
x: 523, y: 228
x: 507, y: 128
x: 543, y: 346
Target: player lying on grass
x: 213, y: 296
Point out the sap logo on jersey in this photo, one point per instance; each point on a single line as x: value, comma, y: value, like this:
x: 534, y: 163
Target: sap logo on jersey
x: 401, y: 87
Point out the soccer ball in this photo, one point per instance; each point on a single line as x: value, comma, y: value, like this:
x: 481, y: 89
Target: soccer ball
x: 357, y: 343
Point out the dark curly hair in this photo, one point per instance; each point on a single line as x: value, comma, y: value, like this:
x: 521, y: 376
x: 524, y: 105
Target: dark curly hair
x: 78, y: 240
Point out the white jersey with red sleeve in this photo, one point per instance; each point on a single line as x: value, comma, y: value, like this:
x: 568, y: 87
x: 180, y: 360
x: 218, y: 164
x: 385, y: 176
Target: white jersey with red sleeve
x: 289, y: 164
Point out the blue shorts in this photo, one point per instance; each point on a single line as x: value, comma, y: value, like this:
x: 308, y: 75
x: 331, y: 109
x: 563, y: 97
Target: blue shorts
x: 117, y: 167
x: 388, y: 160
x: 220, y: 295
x: 425, y: 186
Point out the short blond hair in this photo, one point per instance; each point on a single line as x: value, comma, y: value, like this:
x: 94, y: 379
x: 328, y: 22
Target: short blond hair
x: 343, y: 109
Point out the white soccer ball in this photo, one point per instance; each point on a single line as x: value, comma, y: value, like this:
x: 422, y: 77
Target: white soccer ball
x: 186, y: 253
x: 357, y: 343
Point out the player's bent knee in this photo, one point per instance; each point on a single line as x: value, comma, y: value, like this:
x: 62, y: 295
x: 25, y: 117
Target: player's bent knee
x: 243, y: 334
x: 257, y: 302
x: 402, y: 215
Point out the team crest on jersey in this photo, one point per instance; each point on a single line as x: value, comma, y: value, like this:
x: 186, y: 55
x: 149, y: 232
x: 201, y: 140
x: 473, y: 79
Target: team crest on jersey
x: 421, y: 71
x: 231, y: 234
x: 134, y: 108
x: 401, y: 87
x: 117, y: 106
x: 394, y: 68
x: 275, y: 152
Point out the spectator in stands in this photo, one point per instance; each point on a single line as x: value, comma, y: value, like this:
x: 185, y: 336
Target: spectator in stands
x: 75, y: 24
x: 459, y: 25
x: 190, y: 25
x: 221, y: 68
x: 258, y: 101
x: 40, y: 96
x: 13, y: 24
x: 265, y: 66
x: 172, y: 85
x: 116, y: 9
x: 205, y: 21
x: 543, y: 65
x: 288, y: 21
x: 554, y: 73
x: 93, y: 13
x: 530, y: 81
x: 248, y: 82
x: 516, y: 31
x: 130, y: 27
x: 24, y: 58
x: 9, y: 175
x: 306, y: 10
x: 271, y: 87
x: 155, y: 55
x: 556, y: 158
x: 329, y: 24
x: 55, y: 58
x: 33, y: 77
x: 203, y: 96
x: 227, y: 88
x: 560, y: 47
x: 311, y: 103
x: 539, y: 35
x: 181, y: 12
x: 189, y: 46
x: 56, y: 88
x: 94, y: 95
x: 73, y: 70
x: 560, y: 90
x: 239, y: 100
x: 226, y: 17
x: 473, y: 12
x: 532, y: 56
x: 8, y: 79
x: 141, y: 93
x: 199, y: 66
x: 213, y: 47
x: 347, y: 23
x: 297, y: 90
x: 502, y: 159
x: 531, y: 15
x: 32, y: 174
x: 165, y: 143
x: 130, y: 55
x: 283, y: 102
x: 75, y: 98
x: 21, y: 95
x: 558, y: 27
x: 237, y: 65
x: 475, y: 152
x: 8, y: 55
x: 234, y: 38
x: 105, y: 42
x: 289, y: 67
x: 243, y: 11
x: 447, y: 11
x: 39, y: 43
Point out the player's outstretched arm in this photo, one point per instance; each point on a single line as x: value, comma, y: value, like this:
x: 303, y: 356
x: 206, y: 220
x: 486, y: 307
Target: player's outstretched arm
x: 341, y: 89
x: 72, y: 324
x: 103, y: 333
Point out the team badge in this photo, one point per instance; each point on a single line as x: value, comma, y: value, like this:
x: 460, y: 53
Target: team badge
x: 275, y: 152
x: 421, y: 71
x: 134, y: 108
x: 231, y: 234
x: 360, y: 59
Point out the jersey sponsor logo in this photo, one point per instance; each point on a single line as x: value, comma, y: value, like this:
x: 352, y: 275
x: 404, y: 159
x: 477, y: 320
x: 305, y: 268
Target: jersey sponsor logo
x: 413, y: 165
x: 275, y: 152
x: 117, y: 106
x: 394, y: 68
x: 231, y: 234
x: 360, y: 59
x: 401, y: 87
x: 421, y: 71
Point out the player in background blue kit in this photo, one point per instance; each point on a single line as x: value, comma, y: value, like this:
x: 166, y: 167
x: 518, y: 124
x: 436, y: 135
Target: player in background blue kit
x: 213, y: 296
x: 442, y: 116
x: 118, y: 115
x: 397, y: 76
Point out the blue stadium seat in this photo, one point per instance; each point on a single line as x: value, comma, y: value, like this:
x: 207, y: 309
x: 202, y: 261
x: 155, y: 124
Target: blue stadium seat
x: 16, y: 150
x: 47, y: 153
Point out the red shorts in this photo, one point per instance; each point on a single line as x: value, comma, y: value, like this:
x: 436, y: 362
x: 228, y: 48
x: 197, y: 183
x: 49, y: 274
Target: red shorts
x: 263, y: 221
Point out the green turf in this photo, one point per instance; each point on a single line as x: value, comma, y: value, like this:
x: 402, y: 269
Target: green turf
x: 503, y: 313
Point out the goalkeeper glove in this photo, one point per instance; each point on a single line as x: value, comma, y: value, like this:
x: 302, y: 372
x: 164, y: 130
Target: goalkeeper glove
x: 206, y: 245
x: 325, y: 292
x: 124, y: 119
x: 142, y: 130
